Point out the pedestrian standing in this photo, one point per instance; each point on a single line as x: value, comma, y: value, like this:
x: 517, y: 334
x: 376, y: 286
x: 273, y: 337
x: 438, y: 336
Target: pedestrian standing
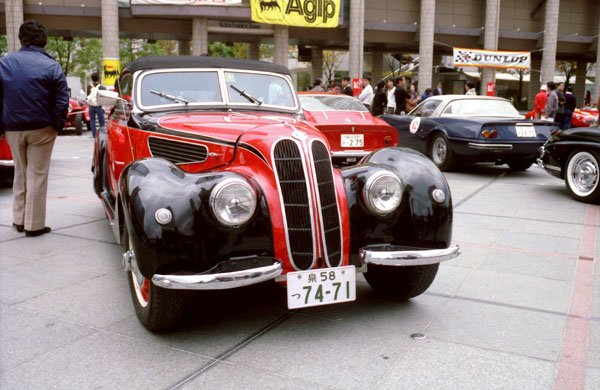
x: 391, y: 105
x: 401, y: 95
x: 470, y: 86
x: 414, y: 98
x: 552, y: 101
x: 380, y: 100
x: 588, y: 99
x: 438, y: 90
x: 427, y: 94
x: 366, y: 96
x: 570, y: 105
x: 318, y: 87
x: 540, y: 102
x: 95, y: 110
x: 346, y: 88
x: 34, y: 101
x: 559, y: 117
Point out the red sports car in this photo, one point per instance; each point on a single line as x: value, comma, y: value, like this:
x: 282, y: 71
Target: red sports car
x: 585, y: 116
x: 347, y: 124
x: 77, y: 115
x: 211, y: 180
x: 7, y: 165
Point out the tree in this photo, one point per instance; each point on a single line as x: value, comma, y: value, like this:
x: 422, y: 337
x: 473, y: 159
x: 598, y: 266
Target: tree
x: 331, y: 60
x: 62, y: 50
x: 3, y: 45
x: 568, y: 68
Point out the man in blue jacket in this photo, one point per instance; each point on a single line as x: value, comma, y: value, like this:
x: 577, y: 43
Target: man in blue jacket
x: 34, y: 99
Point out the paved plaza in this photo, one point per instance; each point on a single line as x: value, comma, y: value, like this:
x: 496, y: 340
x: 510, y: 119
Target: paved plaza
x: 519, y: 309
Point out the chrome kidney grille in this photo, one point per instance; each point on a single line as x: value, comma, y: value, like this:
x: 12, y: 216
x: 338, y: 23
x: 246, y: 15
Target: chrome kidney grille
x: 329, y: 214
x: 177, y: 152
x: 292, y: 176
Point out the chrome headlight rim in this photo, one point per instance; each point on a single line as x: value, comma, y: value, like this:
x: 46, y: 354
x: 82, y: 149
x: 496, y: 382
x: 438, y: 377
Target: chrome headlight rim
x: 218, y: 189
x: 367, y: 192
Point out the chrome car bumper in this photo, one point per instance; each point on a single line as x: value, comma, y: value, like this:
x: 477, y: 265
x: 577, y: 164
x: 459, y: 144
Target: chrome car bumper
x: 219, y: 279
x: 475, y: 145
x: 398, y: 256
x: 351, y: 153
x: 7, y: 163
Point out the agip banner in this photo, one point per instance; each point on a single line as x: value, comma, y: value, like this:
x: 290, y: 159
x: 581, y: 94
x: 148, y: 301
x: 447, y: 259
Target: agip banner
x: 185, y: 2
x: 110, y: 71
x: 300, y: 13
x: 492, y: 58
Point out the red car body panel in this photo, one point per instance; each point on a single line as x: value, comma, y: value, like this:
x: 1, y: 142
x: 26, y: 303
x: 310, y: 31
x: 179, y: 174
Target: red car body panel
x: 5, y: 153
x: 377, y: 133
x: 584, y: 117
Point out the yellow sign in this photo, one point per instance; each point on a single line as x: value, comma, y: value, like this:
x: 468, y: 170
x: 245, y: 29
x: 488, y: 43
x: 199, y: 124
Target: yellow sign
x: 110, y: 71
x: 301, y: 13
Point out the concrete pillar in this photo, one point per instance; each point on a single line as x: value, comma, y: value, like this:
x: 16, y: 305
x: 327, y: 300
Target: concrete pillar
x: 356, y: 38
x: 110, y: 32
x: 254, y: 51
x: 426, y: 32
x: 184, y: 48
x: 550, y: 40
x: 437, y: 63
x: 376, y: 66
x: 534, y: 81
x: 13, y: 11
x: 282, y: 43
x: 579, y: 87
x: 490, y: 40
x: 200, y: 36
x: 316, y: 64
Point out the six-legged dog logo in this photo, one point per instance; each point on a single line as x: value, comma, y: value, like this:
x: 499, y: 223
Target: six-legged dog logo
x: 269, y: 5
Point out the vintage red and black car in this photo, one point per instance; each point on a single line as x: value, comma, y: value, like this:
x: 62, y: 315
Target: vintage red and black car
x: 585, y: 116
x: 211, y: 180
x: 348, y: 125
x: 7, y: 165
x: 77, y: 115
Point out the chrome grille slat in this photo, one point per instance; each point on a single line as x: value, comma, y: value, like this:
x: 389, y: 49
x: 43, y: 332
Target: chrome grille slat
x: 292, y: 183
x: 330, y: 219
x: 177, y: 152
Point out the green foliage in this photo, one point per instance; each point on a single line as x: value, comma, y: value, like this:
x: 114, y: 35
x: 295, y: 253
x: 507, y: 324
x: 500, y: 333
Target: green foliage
x: 3, y: 45
x: 62, y: 51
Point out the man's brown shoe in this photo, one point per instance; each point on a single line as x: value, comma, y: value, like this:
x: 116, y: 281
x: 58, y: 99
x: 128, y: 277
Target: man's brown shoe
x: 20, y: 228
x: 35, y: 233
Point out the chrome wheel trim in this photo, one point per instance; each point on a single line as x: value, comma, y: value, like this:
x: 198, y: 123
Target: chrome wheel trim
x: 140, y: 283
x: 582, y: 174
x: 439, y: 150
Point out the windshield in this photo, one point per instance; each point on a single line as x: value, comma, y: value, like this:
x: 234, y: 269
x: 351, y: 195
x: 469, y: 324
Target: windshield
x: 330, y: 103
x: 174, y: 88
x: 481, y: 107
x: 259, y: 89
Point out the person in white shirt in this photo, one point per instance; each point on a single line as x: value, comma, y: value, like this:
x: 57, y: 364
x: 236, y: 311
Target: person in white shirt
x: 391, y: 88
x: 366, y: 96
x: 470, y: 88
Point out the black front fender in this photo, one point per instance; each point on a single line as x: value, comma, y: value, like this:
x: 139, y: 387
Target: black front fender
x: 194, y: 241
x: 419, y: 221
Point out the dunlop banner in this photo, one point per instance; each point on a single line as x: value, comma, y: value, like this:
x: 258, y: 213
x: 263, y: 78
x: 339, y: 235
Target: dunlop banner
x: 492, y: 58
x: 185, y: 2
x: 110, y: 71
x: 301, y: 13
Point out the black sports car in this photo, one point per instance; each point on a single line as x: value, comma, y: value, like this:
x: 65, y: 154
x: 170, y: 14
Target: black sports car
x: 574, y: 156
x: 455, y: 128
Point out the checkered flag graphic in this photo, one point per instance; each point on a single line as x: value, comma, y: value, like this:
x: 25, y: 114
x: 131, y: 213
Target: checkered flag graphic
x: 462, y: 56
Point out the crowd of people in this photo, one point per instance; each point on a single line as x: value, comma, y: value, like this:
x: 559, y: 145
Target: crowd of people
x: 557, y: 103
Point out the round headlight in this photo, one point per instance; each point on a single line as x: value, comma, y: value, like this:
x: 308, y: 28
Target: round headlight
x: 382, y: 193
x: 70, y: 108
x: 233, y: 202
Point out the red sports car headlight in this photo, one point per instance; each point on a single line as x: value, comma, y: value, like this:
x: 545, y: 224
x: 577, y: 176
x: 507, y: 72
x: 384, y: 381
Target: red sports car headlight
x: 70, y: 108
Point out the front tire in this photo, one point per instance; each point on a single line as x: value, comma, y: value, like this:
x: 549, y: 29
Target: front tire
x: 582, y: 176
x: 401, y: 282
x: 519, y: 165
x: 79, y: 124
x: 441, y: 153
x: 157, y: 308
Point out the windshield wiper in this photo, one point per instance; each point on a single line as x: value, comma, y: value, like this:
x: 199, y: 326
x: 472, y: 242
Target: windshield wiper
x: 251, y: 98
x: 170, y: 97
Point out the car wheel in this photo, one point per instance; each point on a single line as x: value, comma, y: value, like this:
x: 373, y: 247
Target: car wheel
x: 520, y: 165
x: 401, y: 282
x: 582, y: 176
x: 441, y: 153
x: 78, y: 124
x: 156, y: 308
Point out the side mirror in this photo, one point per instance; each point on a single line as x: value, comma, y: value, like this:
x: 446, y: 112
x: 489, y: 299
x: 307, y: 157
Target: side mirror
x: 107, y: 98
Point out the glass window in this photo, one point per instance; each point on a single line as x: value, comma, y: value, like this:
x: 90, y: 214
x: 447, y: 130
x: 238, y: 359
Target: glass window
x: 426, y: 108
x: 195, y: 87
x: 481, y: 107
x: 330, y: 103
x: 268, y: 89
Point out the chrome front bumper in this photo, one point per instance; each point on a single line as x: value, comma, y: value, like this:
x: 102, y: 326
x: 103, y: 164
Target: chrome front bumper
x: 220, y: 277
x: 398, y: 256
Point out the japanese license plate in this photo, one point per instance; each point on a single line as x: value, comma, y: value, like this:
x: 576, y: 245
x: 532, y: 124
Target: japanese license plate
x: 525, y: 131
x: 322, y: 286
x: 353, y: 140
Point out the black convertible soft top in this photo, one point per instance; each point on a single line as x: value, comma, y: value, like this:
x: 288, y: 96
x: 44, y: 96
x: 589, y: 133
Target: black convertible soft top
x: 160, y: 62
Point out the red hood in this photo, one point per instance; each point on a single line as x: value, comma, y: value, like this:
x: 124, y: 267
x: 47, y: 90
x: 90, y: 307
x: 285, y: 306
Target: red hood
x: 327, y: 118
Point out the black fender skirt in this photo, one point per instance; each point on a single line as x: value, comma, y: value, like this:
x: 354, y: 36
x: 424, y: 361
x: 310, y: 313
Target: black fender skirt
x: 418, y: 222
x: 194, y: 241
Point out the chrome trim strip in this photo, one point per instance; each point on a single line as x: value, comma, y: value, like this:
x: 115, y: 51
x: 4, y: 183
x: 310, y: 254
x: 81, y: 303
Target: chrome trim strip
x: 183, y: 142
x: 541, y: 164
x: 357, y: 153
x: 7, y: 163
x: 403, y: 258
x: 337, y: 203
x: 282, y: 204
x: 490, y: 146
x: 221, y: 281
